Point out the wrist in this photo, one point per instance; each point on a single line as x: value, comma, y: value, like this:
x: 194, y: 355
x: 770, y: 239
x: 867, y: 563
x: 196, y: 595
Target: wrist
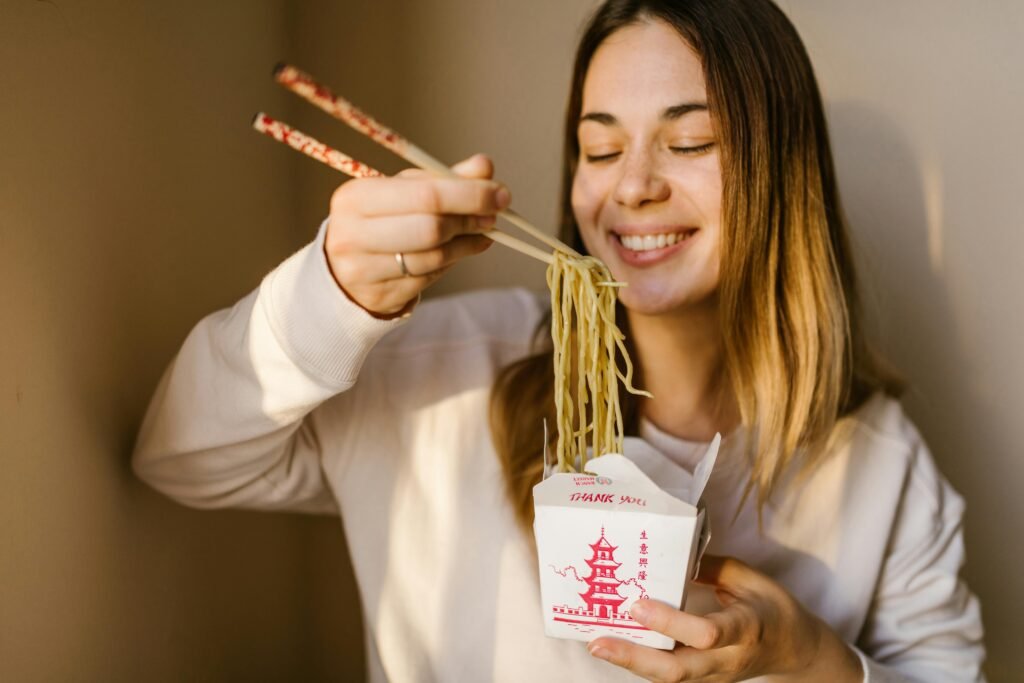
x: 397, y: 312
x: 833, y: 661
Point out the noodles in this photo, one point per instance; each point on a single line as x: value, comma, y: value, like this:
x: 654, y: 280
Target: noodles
x: 587, y: 376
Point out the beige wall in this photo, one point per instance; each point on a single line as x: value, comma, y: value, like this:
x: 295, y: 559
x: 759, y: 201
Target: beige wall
x: 133, y: 200
x: 457, y: 77
x: 925, y: 99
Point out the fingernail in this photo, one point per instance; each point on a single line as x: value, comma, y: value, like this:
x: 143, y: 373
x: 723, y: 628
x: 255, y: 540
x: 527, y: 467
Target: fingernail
x: 600, y: 653
x: 503, y: 197
x: 640, y: 610
x: 486, y: 222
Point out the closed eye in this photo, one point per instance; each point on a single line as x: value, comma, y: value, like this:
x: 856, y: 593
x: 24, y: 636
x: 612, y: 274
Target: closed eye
x: 597, y: 158
x: 699, y: 149
x: 688, y: 151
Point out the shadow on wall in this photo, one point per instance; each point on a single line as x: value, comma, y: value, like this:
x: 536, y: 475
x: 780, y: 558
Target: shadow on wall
x: 133, y: 200
x: 896, y: 207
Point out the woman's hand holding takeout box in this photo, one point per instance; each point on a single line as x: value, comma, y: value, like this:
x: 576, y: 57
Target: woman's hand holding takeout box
x: 760, y: 630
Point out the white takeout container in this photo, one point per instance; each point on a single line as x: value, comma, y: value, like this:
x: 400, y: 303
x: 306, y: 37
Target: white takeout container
x: 610, y: 537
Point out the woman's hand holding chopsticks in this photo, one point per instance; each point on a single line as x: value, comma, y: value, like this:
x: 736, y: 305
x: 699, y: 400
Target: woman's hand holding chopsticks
x: 390, y: 238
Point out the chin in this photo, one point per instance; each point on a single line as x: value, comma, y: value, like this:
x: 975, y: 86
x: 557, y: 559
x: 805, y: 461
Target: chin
x: 643, y: 300
x: 652, y: 299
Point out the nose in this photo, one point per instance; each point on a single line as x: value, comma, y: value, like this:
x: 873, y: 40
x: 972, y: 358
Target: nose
x: 640, y: 183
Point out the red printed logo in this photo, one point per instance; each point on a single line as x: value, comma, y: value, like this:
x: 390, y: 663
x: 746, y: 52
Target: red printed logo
x: 602, y: 600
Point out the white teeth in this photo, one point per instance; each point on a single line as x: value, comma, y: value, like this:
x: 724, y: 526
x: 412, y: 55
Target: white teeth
x: 649, y: 242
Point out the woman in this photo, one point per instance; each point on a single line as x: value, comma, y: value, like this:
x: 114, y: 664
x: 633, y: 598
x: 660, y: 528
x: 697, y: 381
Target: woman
x: 698, y: 168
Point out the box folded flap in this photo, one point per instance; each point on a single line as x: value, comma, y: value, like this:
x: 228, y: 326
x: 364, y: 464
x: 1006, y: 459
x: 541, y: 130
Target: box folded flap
x: 702, y: 473
x: 668, y: 474
x: 612, y: 482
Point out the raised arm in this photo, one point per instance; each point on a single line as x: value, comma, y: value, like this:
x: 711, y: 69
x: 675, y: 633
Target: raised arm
x: 230, y: 423
x: 233, y: 421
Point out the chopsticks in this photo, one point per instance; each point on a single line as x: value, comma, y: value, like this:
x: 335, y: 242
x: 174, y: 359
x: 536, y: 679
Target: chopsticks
x: 312, y: 147
x: 340, y: 161
x: 303, y: 85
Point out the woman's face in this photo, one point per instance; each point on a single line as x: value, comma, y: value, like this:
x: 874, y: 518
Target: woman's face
x: 647, y: 193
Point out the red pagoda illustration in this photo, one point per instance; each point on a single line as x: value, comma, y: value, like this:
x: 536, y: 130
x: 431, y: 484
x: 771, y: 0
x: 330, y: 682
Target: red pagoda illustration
x: 602, y: 597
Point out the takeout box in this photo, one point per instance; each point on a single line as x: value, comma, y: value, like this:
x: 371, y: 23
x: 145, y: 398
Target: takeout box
x: 611, y: 536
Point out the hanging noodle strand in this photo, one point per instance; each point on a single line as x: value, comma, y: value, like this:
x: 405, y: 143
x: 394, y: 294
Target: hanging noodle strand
x: 586, y: 377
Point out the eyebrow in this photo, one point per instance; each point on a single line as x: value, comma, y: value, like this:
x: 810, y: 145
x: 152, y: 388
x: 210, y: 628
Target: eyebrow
x: 671, y: 114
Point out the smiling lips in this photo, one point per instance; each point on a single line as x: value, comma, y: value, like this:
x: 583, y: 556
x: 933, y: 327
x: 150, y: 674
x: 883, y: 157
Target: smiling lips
x: 652, y: 246
x: 654, y: 241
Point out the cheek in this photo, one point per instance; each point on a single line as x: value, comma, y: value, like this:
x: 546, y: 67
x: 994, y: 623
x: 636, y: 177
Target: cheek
x: 711, y: 272
x: 714, y: 211
x: 712, y: 189
x: 586, y: 201
x: 586, y: 207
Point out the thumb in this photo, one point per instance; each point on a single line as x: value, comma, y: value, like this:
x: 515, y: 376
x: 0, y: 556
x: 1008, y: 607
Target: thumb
x: 724, y: 597
x: 478, y: 166
x: 710, y: 570
x: 732, y: 576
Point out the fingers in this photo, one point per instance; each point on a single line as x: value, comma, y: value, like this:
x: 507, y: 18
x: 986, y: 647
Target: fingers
x: 689, y: 629
x: 715, y: 645
x: 445, y: 256
x: 477, y: 166
x: 420, y: 195
x: 732, y: 625
x: 682, y: 664
x: 733, y: 576
x: 411, y: 232
x: 369, y: 268
x: 432, y: 222
x: 761, y: 628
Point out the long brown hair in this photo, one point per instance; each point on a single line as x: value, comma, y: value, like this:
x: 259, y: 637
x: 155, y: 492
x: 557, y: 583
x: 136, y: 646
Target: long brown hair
x: 794, y: 347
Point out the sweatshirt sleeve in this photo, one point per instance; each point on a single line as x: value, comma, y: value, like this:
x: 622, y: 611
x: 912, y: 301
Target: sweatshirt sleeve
x: 924, y: 624
x: 231, y: 423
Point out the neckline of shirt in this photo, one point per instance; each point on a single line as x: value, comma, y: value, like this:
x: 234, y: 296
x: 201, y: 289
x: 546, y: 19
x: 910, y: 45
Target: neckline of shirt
x: 682, y: 452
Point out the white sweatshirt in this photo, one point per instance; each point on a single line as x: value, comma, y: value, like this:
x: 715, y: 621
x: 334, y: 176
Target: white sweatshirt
x: 296, y: 399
